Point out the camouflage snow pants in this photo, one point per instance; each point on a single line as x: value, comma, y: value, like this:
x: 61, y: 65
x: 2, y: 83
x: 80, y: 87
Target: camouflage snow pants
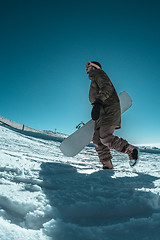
x: 104, y: 140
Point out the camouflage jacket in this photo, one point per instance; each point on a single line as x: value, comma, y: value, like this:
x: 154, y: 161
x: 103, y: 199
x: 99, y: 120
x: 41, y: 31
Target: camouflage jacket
x: 102, y: 88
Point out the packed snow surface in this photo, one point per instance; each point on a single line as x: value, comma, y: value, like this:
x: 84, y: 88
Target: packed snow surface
x: 45, y: 195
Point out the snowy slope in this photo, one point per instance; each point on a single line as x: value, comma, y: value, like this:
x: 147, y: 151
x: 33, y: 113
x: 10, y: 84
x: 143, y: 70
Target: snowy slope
x: 45, y: 195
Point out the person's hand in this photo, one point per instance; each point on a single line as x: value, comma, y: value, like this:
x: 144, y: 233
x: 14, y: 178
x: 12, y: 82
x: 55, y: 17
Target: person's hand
x: 96, y: 109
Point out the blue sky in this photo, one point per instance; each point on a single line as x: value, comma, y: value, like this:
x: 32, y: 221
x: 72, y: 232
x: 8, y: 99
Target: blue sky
x: 45, y: 45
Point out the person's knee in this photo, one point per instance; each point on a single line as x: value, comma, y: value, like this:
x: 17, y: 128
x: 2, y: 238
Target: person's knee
x: 107, y: 140
x: 97, y: 143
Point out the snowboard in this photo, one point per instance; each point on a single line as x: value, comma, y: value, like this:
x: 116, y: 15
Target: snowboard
x: 73, y: 144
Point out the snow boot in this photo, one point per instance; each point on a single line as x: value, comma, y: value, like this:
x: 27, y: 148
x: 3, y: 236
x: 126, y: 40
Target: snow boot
x: 133, y: 153
x: 108, y: 165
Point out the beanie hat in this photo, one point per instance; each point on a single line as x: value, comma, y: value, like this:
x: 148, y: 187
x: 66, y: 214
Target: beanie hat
x: 97, y: 63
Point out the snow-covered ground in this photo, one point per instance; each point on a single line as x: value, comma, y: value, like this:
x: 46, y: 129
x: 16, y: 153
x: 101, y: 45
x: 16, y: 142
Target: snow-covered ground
x: 45, y: 195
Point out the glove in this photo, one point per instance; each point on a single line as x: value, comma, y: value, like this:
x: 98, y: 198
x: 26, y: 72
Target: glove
x: 96, y: 109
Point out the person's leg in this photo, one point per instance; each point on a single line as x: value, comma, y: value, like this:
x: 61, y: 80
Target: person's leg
x: 108, y: 139
x: 102, y: 150
x: 119, y: 144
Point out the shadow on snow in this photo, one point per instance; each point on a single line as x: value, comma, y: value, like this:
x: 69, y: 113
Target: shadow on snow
x: 97, y: 199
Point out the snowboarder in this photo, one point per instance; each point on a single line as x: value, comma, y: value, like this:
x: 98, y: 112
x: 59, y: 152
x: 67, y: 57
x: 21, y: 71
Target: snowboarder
x: 106, y: 113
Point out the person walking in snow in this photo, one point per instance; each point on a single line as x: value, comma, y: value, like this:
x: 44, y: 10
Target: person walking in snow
x: 106, y: 113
